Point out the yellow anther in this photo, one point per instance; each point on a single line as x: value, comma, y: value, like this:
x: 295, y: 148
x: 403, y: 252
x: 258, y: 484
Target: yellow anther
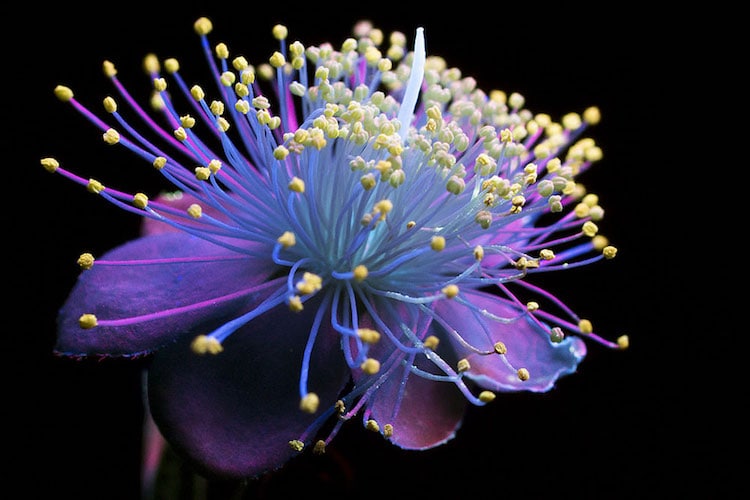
x: 197, y: 92
x: 280, y: 32
x: 87, y: 321
x: 437, y: 243
x: 585, y: 326
x: 203, y: 26
x: 110, y: 106
x: 287, y: 239
x: 500, y: 348
x: 160, y: 84
x: 159, y: 162
x: 280, y: 153
x: 532, y: 306
x: 94, y: 186
x: 140, y: 200
x: 571, y: 121
x: 592, y: 115
x: 221, y: 50
x: 295, y: 304
x: 599, y: 242
x: 360, y: 272
x: 593, y: 154
x: 203, y: 344
x: 450, y: 291
x: 596, y: 213
x: 463, y: 365
x: 340, y: 407
x: 320, y: 447
x: 609, y: 252
x: 296, y: 445
x: 217, y: 108
x: 623, y: 341
x: 195, y: 211
x: 589, y: 229
x: 486, y: 396
x: 523, y: 374
x: 590, y: 199
x: 372, y: 426
x: 223, y: 125
x: 202, y: 173
x: 214, y: 166
x: 111, y: 137
x: 478, y: 253
x: 431, y: 342
x: 370, y: 366
x: 546, y: 254
x: 582, y: 210
x: 85, y: 261
x: 309, y: 403
x: 309, y: 283
x: 297, y: 185
x: 109, y: 69
x: 368, y: 335
x: 180, y: 134
x: 171, y: 65
x: 522, y: 263
x: 483, y: 218
x: 410, y: 224
x: 455, y: 185
x: 151, y: 64
x: 383, y: 207
x: 387, y: 431
x: 277, y: 60
x: 50, y: 164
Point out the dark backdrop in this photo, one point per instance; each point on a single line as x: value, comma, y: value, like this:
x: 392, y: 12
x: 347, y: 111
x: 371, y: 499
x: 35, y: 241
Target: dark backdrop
x: 616, y: 429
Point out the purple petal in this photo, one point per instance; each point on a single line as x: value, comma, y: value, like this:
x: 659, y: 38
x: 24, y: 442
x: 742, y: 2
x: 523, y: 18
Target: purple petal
x: 128, y: 291
x: 528, y: 345
x: 233, y: 414
x: 423, y: 413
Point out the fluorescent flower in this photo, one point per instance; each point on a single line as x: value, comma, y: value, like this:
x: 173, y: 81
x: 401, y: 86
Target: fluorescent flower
x: 350, y: 232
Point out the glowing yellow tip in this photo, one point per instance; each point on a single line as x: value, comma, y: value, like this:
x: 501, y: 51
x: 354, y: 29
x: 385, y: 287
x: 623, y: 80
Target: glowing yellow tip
x: 109, y: 69
x: 151, y: 64
x: 296, y: 445
x: 86, y: 261
x: 486, y: 396
x: 195, y: 211
x: 478, y: 253
x: 140, y: 200
x: 222, y: 51
x: 197, y: 92
x: 370, y: 366
x: 360, y: 272
x: 320, y: 447
x: 63, y: 93
x: 450, y: 291
x: 280, y: 32
x: 111, y: 137
x: 623, y: 342
x: 203, y: 26
x: 547, y: 254
x: 383, y: 207
x: 310, y: 403
x: 463, y: 365
x: 159, y: 162
x: 532, y: 306
x: 523, y: 374
x: 589, y: 229
x: 431, y: 342
x: 172, y: 65
x: 387, y: 430
x: 287, y: 239
x: 437, y: 243
x: 87, y: 321
x: 94, y: 186
x: 368, y: 335
x: 609, y: 252
x: 50, y: 164
x: 295, y: 304
x: 500, y: 348
x: 372, y: 426
x: 110, y: 105
x: 203, y: 344
x: 592, y: 115
x: 297, y: 185
x: 585, y: 326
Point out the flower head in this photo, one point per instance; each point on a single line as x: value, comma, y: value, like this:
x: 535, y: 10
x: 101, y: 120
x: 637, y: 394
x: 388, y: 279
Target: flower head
x: 350, y: 231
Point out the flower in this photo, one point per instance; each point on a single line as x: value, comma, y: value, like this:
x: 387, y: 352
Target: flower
x: 349, y: 233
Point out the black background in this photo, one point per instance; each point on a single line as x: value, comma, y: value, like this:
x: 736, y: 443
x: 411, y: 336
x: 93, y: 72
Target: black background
x: 621, y: 427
